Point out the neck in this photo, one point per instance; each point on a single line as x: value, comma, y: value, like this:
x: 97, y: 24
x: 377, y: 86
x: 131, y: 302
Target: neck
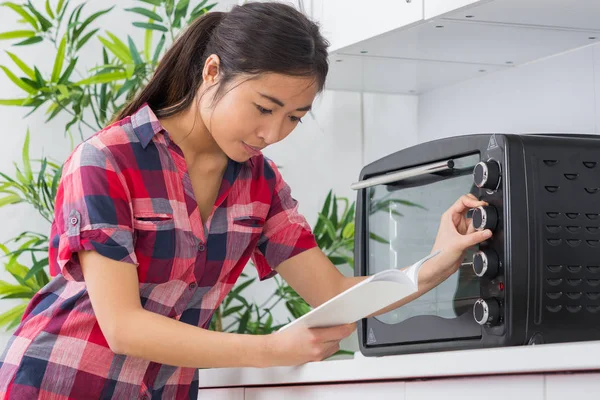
x: 189, y: 132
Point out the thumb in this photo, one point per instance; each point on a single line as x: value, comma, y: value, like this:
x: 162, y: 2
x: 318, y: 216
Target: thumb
x: 471, y: 239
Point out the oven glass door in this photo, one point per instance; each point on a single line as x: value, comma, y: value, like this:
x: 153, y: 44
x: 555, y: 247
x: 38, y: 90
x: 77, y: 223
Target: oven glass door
x: 403, y: 220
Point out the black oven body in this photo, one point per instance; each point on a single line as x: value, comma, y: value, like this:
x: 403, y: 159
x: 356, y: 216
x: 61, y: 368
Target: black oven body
x: 541, y: 282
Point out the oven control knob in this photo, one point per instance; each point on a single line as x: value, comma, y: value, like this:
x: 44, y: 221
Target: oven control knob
x: 485, y: 217
x: 486, y: 312
x: 485, y: 263
x: 486, y: 174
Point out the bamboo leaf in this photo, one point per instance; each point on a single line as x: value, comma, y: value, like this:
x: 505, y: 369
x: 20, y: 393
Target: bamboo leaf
x: 329, y: 228
x: 169, y: 6
x: 59, y: 7
x: 22, y: 295
x: 146, y: 25
x: 102, y: 78
x: 145, y: 13
x: 199, y: 7
x: 12, y: 314
x: 182, y: 4
x: 181, y: 10
x: 67, y: 74
x: 148, y: 42
x: 36, y: 268
x: 159, y: 48
x: 232, y: 310
x: 12, y: 102
x: 120, y: 53
x: 244, y: 322
x: 334, y: 213
x: 202, y: 11
x: 10, y: 199
x: 348, y: 231
x: 86, y: 38
x: 19, y: 82
x: 38, y: 77
x: 135, y: 54
x: 240, y: 288
x: 127, y: 86
x: 24, y: 67
x: 26, y: 161
x: 16, y: 35
x: 157, y: 3
x: 8, y: 288
x: 31, y: 40
x: 324, y: 211
x: 88, y: 21
x: 60, y: 59
x: 337, y: 260
x: 49, y: 9
x: 45, y: 24
x: 21, y: 11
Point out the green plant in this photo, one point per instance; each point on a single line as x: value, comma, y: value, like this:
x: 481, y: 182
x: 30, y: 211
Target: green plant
x: 89, y: 97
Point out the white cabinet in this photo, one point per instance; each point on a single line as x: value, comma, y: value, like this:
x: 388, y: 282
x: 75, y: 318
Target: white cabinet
x: 454, y: 41
x: 345, y: 22
x: 524, y: 387
x: 358, y: 391
x: 433, y: 8
x: 221, y: 394
x: 569, y: 386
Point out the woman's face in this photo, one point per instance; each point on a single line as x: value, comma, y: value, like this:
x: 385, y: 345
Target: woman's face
x: 255, y: 113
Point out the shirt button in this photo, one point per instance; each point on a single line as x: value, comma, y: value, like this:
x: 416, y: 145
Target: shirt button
x: 192, y: 285
x: 201, y: 246
x: 74, y: 220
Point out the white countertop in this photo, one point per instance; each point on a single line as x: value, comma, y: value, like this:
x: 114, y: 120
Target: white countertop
x: 580, y: 356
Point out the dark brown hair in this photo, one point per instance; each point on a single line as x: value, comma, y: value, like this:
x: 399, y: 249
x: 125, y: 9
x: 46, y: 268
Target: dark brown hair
x: 250, y: 39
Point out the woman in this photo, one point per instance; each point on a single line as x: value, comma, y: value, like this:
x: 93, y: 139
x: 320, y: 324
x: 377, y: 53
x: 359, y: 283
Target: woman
x: 158, y: 213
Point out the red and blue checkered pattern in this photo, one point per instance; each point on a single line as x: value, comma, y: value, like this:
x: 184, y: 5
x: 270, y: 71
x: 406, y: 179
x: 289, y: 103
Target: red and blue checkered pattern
x: 126, y: 194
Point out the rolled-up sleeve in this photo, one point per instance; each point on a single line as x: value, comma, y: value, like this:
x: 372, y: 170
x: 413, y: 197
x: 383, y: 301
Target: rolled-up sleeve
x: 286, y: 232
x: 92, y: 212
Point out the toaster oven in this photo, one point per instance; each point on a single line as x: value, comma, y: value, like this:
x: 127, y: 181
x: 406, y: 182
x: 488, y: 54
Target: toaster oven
x: 536, y: 280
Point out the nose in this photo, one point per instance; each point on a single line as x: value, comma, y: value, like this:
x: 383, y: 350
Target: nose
x: 270, y: 133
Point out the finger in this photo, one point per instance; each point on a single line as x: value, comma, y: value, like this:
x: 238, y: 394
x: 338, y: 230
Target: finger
x: 332, y: 350
x: 334, y: 333
x: 474, y: 238
x: 464, y: 203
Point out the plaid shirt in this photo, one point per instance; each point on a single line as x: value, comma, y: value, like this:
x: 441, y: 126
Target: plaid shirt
x: 126, y: 194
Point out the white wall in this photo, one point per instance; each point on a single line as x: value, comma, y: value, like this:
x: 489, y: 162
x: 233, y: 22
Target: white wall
x: 558, y: 94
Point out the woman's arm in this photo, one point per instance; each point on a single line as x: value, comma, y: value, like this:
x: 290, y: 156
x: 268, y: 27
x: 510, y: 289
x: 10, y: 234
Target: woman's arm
x: 312, y: 275
x: 129, y: 329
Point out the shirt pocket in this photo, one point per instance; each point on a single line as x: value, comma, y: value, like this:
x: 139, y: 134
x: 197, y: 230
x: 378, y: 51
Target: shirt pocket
x: 243, y: 236
x: 146, y: 221
x: 156, y: 247
x: 252, y: 223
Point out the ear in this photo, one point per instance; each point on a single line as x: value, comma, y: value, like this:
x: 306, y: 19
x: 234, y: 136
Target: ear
x: 212, y: 67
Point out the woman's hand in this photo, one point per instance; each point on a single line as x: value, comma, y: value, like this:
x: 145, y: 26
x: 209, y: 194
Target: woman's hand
x: 455, y: 235
x: 298, y: 345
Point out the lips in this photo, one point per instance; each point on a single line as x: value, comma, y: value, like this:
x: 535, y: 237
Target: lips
x: 252, y: 150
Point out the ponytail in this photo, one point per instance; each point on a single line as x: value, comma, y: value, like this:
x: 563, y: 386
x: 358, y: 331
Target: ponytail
x: 179, y: 74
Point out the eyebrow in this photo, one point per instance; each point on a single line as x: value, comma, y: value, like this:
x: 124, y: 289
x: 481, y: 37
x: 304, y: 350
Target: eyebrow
x: 281, y: 104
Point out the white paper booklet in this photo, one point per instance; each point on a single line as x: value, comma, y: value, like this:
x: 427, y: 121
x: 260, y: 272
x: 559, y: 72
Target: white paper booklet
x: 363, y: 299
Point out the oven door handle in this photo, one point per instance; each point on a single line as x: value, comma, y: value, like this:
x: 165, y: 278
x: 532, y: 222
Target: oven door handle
x: 396, y: 176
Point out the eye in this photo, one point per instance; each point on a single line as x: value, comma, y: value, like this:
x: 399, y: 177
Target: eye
x: 295, y: 119
x: 263, y: 110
